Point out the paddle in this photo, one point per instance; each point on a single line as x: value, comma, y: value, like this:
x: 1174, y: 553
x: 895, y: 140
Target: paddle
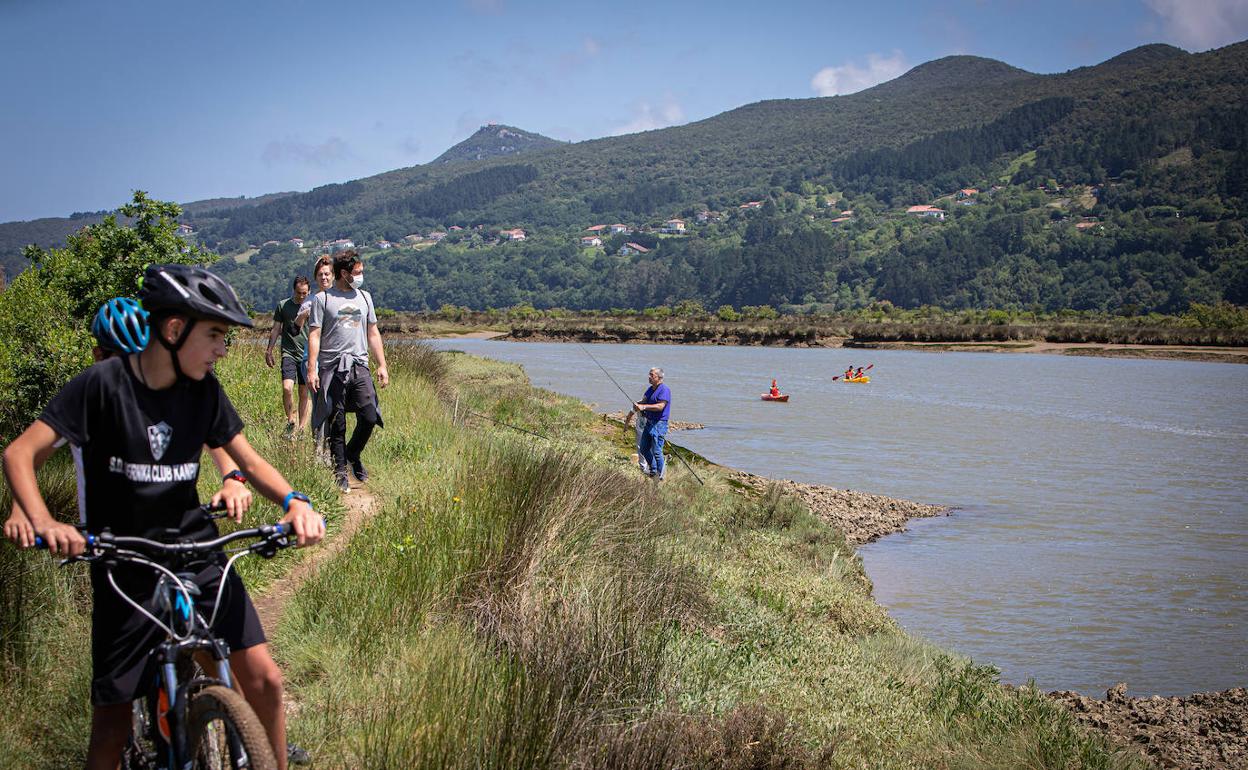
x: 867, y: 368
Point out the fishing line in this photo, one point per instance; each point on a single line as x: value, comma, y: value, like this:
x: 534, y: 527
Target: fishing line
x: 505, y: 425
x: 630, y: 406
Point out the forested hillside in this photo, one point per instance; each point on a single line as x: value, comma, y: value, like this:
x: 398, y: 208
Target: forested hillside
x: 1121, y: 187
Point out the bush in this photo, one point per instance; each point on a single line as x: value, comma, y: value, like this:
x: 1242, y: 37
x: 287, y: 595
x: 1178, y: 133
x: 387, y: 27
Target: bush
x: 42, y: 346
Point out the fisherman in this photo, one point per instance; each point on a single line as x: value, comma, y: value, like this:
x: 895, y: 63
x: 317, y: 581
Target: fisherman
x: 655, y: 407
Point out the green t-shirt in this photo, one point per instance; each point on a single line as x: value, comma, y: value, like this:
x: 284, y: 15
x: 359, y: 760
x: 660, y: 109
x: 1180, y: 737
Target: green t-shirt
x: 294, y: 339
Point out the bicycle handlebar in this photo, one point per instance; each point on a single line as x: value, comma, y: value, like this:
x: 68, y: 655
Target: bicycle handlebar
x: 107, y: 542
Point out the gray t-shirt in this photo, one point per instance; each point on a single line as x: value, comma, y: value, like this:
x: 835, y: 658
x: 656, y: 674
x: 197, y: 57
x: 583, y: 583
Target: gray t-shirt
x: 343, y: 318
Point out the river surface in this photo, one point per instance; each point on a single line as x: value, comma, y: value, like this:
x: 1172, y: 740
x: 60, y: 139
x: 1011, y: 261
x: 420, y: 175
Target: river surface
x: 1101, y: 530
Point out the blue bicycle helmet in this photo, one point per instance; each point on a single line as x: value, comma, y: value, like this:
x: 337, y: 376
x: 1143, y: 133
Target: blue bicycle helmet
x: 121, y: 325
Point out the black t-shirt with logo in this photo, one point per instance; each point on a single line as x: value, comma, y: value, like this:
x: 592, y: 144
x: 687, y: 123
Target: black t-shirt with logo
x: 137, y: 450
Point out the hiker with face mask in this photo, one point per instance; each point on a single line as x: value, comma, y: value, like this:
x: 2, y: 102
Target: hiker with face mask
x: 342, y: 333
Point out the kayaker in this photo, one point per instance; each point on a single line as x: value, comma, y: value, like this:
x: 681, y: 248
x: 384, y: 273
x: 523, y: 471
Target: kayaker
x: 858, y: 373
x: 775, y: 391
x: 849, y: 373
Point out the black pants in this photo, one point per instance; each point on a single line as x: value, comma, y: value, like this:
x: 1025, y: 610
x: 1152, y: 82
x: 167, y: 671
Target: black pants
x: 351, y: 392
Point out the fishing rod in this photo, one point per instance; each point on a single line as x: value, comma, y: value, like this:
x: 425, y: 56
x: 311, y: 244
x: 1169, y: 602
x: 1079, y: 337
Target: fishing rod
x: 631, y: 402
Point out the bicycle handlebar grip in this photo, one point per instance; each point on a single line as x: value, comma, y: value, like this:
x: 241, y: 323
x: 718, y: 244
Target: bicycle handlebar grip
x: 42, y: 546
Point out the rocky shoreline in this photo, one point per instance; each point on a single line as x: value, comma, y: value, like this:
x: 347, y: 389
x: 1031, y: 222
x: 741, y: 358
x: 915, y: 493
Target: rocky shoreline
x: 860, y: 516
x: 1207, y: 730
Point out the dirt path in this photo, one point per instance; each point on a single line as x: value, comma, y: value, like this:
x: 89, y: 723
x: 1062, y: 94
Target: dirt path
x: 361, y: 506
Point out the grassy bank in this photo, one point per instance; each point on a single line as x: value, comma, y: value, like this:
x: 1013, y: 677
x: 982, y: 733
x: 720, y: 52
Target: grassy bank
x: 529, y: 602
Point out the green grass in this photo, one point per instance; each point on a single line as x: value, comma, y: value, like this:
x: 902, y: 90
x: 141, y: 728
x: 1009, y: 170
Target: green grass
x: 527, y: 602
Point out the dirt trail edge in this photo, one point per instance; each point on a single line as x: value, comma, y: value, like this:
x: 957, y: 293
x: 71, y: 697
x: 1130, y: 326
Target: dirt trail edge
x: 361, y: 506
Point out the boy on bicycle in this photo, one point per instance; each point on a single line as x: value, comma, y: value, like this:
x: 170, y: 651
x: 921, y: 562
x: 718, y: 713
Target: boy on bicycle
x: 136, y: 426
x: 120, y: 327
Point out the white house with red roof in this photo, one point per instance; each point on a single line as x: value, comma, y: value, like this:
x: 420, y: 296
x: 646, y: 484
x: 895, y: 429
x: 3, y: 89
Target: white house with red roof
x: 618, y: 228
x: 927, y: 211
x: 590, y: 240
x: 595, y: 228
x: 629, y: 249
x: 675, y: 226
x: 514, y: 234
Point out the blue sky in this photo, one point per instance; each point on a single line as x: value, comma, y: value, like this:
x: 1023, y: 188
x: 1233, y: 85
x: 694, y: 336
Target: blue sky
x: 225, y: 98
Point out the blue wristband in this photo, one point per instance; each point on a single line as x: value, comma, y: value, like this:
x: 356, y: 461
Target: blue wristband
x: 293, y: 495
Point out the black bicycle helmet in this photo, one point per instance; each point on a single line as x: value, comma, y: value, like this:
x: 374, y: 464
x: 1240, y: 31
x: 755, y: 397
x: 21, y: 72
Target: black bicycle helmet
x: 193, y: 291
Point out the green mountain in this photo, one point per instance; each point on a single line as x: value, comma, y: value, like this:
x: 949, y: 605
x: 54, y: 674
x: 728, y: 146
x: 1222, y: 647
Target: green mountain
x: 1122, y: 186
x: 494, y: 140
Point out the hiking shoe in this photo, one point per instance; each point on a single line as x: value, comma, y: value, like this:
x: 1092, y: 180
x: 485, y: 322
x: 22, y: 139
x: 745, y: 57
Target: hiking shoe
x: 297, y: 755
x: 359, y: 471
x: 290, y: 429
x: 341, y: 480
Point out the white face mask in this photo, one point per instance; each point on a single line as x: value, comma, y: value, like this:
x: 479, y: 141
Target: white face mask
x: 357, y: 281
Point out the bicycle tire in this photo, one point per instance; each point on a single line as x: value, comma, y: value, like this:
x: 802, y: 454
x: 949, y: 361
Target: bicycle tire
x: 216, y: 714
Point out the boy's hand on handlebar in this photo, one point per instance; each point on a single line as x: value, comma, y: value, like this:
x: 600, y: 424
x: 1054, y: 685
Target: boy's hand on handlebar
x: 17, y: 528
x: 63, y: 539
x: 308, y: 524
x: 235, y: 498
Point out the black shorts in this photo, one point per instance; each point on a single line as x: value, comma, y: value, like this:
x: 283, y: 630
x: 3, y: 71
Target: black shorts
x: 295, y: 370
x: 122, y: 638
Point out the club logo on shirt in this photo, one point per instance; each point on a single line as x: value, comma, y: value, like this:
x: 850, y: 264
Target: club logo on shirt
x: 158, y: 437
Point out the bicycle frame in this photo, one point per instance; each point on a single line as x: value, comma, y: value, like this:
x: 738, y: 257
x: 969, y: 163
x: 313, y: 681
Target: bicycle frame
x: 186, y: 630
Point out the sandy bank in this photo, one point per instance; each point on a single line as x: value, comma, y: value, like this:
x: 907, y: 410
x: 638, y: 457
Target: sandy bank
x: 1234, y: 355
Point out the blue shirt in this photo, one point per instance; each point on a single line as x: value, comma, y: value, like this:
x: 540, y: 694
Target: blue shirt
x: 654, y: 395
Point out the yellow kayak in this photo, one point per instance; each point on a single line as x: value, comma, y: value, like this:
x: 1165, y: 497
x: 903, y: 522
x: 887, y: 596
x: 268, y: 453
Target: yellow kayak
x: 863, y: 378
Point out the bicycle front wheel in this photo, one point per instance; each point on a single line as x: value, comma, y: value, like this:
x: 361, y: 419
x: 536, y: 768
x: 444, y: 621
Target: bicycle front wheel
x: 224, y: 733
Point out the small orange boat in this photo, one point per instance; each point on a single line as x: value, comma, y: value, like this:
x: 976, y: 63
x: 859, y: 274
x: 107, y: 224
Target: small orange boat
x: 781, y: 398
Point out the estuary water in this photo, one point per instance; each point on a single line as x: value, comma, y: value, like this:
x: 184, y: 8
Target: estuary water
x: 1101, y: 524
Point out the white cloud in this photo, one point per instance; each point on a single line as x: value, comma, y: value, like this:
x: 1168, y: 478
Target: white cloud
x: 327, y: 153
x: 647, y: 117
x: 850, y: 77
x: 1202, y: 24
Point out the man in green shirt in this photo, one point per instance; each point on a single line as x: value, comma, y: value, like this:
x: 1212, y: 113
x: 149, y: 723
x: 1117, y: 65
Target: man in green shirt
x: 294, y: 355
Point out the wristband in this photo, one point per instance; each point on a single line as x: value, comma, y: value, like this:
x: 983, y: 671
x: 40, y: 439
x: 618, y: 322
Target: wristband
x: 293, y: 495
x: 235, y: 474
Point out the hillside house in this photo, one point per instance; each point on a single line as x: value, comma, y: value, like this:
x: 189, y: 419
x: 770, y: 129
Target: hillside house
x: 296, y: 242
x: 515, y: 234
x: 590, y: 240
x: 342, y: 244
x: 629, y: 249
x: 436, y: 235
x: 595, y: 228
x: 616, y: 229
x: 967, y: 192
x: 674, y: 226
x: 927, y: 211
x: 847, y: 213
x: 456, y: 228
x: 185, y: 230
x: 841, y: 220
x: 413, y: 239
x: 384, y: 245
